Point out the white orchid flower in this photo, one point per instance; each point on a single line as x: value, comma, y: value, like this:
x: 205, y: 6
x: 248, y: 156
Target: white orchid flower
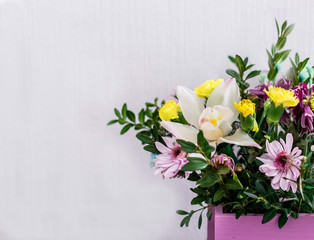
x: 215, y: 120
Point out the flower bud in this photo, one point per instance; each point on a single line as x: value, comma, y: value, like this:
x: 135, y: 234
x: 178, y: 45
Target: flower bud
x: 274, y: 114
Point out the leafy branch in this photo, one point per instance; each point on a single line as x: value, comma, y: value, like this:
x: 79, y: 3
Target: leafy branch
x: 276, y: 56
x: 147, y: 121
x: 297, y: 68
x: 242, y: 66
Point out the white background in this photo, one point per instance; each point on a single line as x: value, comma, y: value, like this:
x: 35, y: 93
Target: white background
x: 64, y: 65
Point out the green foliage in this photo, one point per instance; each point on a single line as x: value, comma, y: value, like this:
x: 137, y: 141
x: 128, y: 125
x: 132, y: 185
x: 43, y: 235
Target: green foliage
x: 296, y: 69
x: 147, y: 123
x: 242, y: 66
x: 276, y: 55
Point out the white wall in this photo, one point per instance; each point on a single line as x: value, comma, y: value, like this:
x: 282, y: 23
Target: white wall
x: 65, y: 64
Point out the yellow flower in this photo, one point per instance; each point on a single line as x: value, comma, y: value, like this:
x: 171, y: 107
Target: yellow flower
x: 246, y: 107
x: 206, y: 88
x: 280, y: 96
x: 255, y: 128
x: 312, y: 102
x: 169, y: 111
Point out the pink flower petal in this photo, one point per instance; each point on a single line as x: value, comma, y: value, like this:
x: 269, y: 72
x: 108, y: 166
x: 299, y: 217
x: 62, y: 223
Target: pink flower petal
x: 296, y: 152
x: 169, y: 141
x: 293, y: 186
x: 284, y: 184
x: 289, y: 142
x: 271, y: 173
x: 276, y: 146
x: 270, y: 150
x: 162, y: 148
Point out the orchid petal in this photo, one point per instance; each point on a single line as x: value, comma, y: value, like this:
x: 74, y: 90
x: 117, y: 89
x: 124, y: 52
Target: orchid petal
x: 240, y: 138
x: 190, y: 104
x: 180, y: 131
x: 225, y: 94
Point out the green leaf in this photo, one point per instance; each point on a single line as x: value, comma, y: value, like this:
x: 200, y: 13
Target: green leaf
x: 281, y: 56
x: 149, y: 104
x: 245, y: 61
x: 248, y: 67
x: 141, y: 116
x: 197, y: 200
x: 194, y: 177
x: 309, y: 199
x: 232, y: 59
x: 124, y: 111
x: 145, y: 139
x: 195, y: 164
x: 151, y: 148
x: 297, y: 58
x: 277, y: 27
x: 239, y: 63
x: 222, y: 171
x: 282, y: 220
x: 250, y: 195
x: 295, y: 215
x: 234, y: 183
x: 208, y: 180
x: 239, y: 213
x: 125, y: 129
x: 260, y: 188
x: 204, y: 145
x: 187, y: 147
x: 288, y: 30
x: 181, y: 212
x: 200, y: 220
x: 112, y: 122
x: 233, y: 74
x: 138, y: 126
x: 185, y: 221
x: 219, y: 194
x: 130, y: 116
x: 269, y: 215
x: 302, y: 65
x: 253, y: 74
x: 281, y: 43
x: 209, y: 214
x: 283, y: 27
x: 231, y: 184
x: 116, y: 111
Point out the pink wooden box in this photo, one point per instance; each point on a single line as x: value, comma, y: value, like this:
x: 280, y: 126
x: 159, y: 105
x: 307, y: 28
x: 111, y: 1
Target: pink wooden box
x: 224, y: 226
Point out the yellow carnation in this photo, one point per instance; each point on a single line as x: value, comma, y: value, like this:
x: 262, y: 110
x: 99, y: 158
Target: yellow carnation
x: 169, y: 111
x: 280, y: 96
x: 246, y: 107
x: 312, y: 102
x: 206, y: 88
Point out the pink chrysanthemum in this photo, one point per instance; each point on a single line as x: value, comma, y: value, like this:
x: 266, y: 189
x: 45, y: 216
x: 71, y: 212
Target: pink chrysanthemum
x: 172, y: 158
x: 222, y: 161
x: 282, y: 163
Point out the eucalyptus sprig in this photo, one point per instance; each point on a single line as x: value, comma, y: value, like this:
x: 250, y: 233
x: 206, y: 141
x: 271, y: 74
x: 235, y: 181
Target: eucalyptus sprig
x: 242, y: 66
x: 297, y: 67
x: 276, y: 56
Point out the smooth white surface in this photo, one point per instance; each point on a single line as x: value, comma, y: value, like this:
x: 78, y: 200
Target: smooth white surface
x: 64, y: 65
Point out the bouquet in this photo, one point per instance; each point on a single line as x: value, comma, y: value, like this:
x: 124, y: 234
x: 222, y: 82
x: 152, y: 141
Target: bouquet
x: 246, y: 148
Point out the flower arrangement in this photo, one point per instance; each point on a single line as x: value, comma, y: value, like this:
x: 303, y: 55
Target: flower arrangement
x: 246, y: 148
